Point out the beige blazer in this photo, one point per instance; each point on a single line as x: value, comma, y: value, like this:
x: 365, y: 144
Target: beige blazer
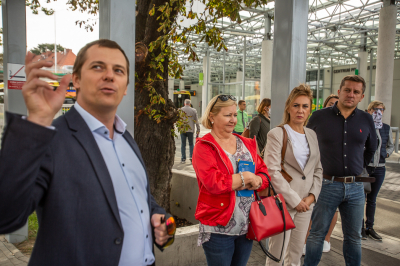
x: 304, y: 181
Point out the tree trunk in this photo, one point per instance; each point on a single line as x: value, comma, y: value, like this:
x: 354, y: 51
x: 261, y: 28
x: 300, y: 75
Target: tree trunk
x: 155, y: 140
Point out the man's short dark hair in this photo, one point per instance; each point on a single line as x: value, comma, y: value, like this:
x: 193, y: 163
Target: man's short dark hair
x: 354, y: 78
x: 241, y: 101
x: 81, y: 57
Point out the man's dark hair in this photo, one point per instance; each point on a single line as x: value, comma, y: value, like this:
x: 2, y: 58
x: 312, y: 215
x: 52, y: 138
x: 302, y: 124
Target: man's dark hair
x: 81, y: 57
x: 241, y: 101
x: 354, y: 78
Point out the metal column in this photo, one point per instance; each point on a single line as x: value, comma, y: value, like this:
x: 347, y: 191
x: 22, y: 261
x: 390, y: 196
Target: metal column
x: 244, y: 69
x: 111, y: 13
x: 289, y: 61
x: 371, y: 66
x: 318, y: 74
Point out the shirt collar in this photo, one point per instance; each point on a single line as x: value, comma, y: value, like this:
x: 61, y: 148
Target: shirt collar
x: 337, y: 111
x: 94, y: 124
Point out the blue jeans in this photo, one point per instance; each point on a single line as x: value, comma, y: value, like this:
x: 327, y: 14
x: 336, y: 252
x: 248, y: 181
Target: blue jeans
x: 350, y: 199
x: 379, y: 174
x: 224, y: 250
x: 188, y: 135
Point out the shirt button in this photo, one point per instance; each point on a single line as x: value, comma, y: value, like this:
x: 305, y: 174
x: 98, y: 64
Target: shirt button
x: 345, y: 120
x: 345, y: 144
x: 118, y: 241
x: 141, y: 211
x: 133, y: 187
x: 345, y: 167
x: 123, y: 164
x: 147, y: 236
x: 222, y: 204
x: 345, y: 155
x: 145, y: 260
x: 304, y: 178
x: 105, y: 132
x: 345, y: 132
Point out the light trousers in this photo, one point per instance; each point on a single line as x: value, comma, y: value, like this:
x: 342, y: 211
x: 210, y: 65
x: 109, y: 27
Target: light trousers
x: 294, y: 241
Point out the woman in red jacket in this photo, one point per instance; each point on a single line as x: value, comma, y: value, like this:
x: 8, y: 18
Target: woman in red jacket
x: 223, y: 215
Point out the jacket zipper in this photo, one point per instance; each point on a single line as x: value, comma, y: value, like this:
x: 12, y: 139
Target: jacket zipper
x: 218, y: 154
x: 226, y: 169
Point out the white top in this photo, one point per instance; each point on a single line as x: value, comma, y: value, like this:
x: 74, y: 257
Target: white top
x: 301, y: 150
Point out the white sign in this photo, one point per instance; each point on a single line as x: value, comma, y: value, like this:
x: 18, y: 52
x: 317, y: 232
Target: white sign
x: 16, y: 76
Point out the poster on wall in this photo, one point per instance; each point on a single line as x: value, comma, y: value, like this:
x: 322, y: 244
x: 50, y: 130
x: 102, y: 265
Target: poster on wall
x: 16, y: 76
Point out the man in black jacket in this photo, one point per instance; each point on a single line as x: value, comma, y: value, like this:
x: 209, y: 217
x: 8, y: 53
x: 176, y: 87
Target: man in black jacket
x: 83, y: 173
x: 347, y: 142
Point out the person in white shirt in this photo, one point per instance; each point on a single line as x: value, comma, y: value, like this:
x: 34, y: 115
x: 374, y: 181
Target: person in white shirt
x: 302, y: 163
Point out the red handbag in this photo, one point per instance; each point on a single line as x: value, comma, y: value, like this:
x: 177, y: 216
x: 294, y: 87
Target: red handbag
x: 268, y: 217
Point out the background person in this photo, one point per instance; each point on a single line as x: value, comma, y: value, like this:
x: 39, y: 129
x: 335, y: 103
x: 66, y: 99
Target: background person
x: 192, y: 117
x: 83, y: 173
x: 343, y: 132
x: 242, y: 118
x: 329, y: 101
x: 376, y: 167
x: 261, y: 124
x: 222, y: 214
x: 302, y: 163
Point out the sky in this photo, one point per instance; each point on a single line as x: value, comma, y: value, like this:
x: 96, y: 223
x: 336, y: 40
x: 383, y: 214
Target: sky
x: 40, y: 28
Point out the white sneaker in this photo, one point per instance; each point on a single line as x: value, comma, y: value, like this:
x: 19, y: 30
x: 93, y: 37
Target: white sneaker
x: 327, y: 246
x: 304, y: 250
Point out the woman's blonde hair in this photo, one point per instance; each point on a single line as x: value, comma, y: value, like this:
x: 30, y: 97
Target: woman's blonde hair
x: 266, y: 102
x: 374, y: 104
x: 301, y: 90
x: 205, y: 119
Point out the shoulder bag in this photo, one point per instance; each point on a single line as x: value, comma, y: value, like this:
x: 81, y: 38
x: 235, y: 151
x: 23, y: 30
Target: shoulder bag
x: 285, y: 175
x: 268, y: 217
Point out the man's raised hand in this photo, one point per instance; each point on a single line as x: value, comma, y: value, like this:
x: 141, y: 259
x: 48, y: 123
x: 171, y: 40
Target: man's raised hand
x: 41, y: 100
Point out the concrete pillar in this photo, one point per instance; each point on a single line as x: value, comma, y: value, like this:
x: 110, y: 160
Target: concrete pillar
x: 206, y: 79
x: 385, y: 58
x: 362, y: 71
x: 14, y: 48
x: 111, y: 13
x: 14, y: 51
x: 181, y: 85
x: 19, y: 235
x: 171, y: 85
x: 289, y: 61
x: 266, y: 68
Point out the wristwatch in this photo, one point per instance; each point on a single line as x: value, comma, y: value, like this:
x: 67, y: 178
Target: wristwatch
x: 241, y: 177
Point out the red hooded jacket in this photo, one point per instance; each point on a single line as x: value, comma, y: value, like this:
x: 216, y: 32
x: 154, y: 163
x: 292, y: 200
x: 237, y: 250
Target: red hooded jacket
x: 214, y: 172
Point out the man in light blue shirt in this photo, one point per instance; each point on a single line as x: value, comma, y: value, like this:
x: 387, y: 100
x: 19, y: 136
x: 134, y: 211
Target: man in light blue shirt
x: 83, y: 173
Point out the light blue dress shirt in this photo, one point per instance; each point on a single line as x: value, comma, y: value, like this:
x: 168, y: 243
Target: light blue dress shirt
x: 130, y: 186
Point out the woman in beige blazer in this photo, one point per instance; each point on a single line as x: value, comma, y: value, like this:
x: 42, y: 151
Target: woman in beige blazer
x: 302, y: 163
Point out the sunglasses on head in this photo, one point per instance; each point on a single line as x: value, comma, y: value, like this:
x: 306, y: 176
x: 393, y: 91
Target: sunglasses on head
x: 223, y: 98
x: 171, y: 228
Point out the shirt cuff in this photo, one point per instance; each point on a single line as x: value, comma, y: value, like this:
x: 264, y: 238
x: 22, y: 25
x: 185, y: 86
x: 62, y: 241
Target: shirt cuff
x: 49, y: 127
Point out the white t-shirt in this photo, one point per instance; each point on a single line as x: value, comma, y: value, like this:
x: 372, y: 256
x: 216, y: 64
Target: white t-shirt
x: 300, y: 146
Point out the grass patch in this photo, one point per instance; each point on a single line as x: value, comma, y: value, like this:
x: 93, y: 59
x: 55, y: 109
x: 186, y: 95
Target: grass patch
x: 26, y: 246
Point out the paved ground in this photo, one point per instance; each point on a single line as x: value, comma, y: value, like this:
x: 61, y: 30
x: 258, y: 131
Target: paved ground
x: 10, y: 255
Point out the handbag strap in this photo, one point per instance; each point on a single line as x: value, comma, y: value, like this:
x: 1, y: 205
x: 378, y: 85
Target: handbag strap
x: 284, y: 145
x: 262, y: 208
